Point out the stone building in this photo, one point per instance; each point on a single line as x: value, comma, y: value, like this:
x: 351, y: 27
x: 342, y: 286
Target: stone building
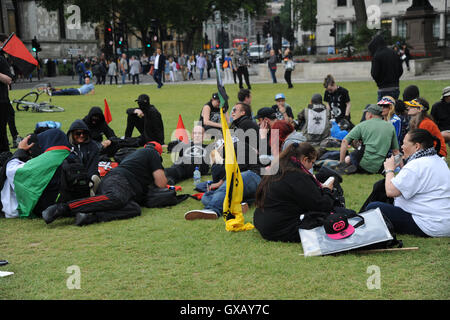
x: 55, y: 33
x: 341, y: 13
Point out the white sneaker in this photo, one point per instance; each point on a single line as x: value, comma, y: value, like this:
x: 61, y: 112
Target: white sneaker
x: 200, y: 214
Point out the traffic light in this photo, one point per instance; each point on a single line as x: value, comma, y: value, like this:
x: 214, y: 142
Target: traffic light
x: 35, y: 46
x: 333, y: 32
x: 258, y: 38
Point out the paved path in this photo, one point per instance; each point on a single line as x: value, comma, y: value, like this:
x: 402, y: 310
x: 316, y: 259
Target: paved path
x: 148, y: 80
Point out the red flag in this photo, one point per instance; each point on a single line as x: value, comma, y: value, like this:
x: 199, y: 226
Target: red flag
x: 180, y: 132
x: 107, y: 113
x: 20, y: 56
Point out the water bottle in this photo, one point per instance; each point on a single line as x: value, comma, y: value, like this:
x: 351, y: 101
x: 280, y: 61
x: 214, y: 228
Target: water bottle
x: 197, y: 176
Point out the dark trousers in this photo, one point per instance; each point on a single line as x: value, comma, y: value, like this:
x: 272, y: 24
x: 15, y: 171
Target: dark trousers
x: 133, y: 121
x: 287, y: 77
x: 4, y: 114
x: 114, y: 200
x: 402, y: 221
x: 394, y: 94
x: 234, y: 76
x: 12, y: 122
x: 273, y: 74
x: 157, y: 75
x: 111, y: 78
x: 243, y: 71
x: 135, y: 78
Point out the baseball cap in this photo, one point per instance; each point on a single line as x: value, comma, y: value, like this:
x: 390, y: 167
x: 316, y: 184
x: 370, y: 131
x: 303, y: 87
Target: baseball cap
x: 386, y: 101
x: 215, y: 96
x: 445, y: 92
x: 155, y: 145
x: 337, y: 227
x: 143, y: 98
x: 279, y: 96
x: 266, y: 112
x: 374, y: 109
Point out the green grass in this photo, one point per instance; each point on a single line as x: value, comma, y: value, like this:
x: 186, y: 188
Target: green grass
x: 159, y: 255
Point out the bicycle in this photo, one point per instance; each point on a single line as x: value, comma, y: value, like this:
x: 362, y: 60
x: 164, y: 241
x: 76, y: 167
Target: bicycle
x: 29, y: 101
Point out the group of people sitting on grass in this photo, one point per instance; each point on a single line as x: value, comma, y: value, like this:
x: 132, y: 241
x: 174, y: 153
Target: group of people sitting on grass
x: 55, y: 174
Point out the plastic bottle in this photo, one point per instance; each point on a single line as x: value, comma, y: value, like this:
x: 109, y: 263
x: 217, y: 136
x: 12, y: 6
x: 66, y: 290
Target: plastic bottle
x: 197, y: 176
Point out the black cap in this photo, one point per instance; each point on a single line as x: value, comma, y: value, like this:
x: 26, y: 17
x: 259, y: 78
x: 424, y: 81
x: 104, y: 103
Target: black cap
x: 337, y: 227
x: 266, y: 112
x: 143, y: 98
x: 215, y: 96
x: 316, y: 98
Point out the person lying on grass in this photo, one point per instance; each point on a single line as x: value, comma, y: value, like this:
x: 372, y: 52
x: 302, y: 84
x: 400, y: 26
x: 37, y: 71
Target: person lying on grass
x: 87, y: 88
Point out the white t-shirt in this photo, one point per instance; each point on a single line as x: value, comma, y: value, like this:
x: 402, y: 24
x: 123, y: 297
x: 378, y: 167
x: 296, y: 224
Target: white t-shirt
x: 155, y: 66
x: 425, y: 187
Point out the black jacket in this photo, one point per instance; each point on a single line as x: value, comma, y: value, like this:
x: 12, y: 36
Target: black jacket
x: 386, y: 64
x: 86, y: 153
x: 100, y: 128
x: 153, y: 124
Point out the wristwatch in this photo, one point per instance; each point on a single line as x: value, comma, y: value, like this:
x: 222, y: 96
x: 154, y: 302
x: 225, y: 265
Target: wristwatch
x: 390, y: 170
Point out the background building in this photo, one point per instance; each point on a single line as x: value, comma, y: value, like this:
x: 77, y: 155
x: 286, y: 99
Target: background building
x: 341, y: 13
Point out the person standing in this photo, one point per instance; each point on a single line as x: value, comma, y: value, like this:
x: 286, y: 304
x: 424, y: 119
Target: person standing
x: 288, y: 67
x: 123, y: 67
x: 190, y: 67
x: 112, y: 71
x: 135, y: 67
x: 386, y: 68
x: 160, y: 63
x: 272, y: 63
x: 227, y: 69
x: 5, y: 104
x: 201, y: 64
x: 240, y: 65
x: 405, y: 55
x: 182, y: 63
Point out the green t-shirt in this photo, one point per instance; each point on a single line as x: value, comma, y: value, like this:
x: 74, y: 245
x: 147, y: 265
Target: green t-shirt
x: 378, y: 137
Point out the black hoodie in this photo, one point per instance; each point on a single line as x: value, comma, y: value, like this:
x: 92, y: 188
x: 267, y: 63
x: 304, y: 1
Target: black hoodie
x: 153, y: 124
x: 386, y: 64
x: 100, y: 128
x: 87, y: 153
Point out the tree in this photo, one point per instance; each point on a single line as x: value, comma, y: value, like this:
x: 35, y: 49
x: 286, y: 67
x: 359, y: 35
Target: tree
x: 360, y: 13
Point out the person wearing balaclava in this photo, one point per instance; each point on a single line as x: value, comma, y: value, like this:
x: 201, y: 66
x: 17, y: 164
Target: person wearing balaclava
x: 386, y: 68
x: 147, y: 119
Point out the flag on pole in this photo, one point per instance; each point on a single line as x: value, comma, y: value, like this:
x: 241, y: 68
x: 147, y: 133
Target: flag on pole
x: 107, y: 113
x: 180, y: 131
x: 232, y: 209
x: 19, y: 54
x: 220, y: 88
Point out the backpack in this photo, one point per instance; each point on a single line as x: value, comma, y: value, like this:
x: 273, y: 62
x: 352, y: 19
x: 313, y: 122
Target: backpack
x: 163, y: 197
x: 74, y: 181
x: 122, y: 153
x: 317, y: 123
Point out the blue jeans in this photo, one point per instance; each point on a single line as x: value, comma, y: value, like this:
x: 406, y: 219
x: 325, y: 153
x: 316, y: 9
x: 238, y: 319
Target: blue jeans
x: 402, y: 221
x: 124, y: 76
x: 394, y: 94
x: 213, y: 200
x: 66, y: 92
x: 273, y: 74
x: 201, y: 72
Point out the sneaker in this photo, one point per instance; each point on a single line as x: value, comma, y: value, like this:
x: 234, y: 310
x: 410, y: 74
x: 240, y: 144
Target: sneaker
x: 200, y: 214
x: 54, y: 211
x: 83, y: 219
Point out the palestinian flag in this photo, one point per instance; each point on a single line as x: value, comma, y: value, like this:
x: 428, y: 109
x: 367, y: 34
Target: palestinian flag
x: 19, y: 54
x: 30, y: 180
x: 221, y: 89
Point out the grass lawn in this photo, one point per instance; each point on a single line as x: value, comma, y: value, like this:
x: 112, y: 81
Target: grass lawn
x: 159, y: 255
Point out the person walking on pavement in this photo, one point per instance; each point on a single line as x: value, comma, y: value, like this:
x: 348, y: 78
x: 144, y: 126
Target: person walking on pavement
x: 241, y: 64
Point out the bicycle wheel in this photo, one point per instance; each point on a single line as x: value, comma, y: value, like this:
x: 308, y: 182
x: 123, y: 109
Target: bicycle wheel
x: 31, y: 97
x: 45, y: 107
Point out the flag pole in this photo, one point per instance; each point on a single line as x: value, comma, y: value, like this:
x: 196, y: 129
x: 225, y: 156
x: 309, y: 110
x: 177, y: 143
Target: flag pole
x: 6, y: 41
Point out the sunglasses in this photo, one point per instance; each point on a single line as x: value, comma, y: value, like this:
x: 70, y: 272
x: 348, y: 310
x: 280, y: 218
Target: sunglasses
x: 79, y: 133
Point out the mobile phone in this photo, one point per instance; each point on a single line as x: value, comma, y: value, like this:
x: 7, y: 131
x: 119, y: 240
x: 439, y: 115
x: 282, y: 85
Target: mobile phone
x: 329, y: 181
x: 3, y: 262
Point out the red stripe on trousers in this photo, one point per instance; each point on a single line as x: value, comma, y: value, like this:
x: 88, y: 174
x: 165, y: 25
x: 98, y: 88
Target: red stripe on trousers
x: 88, y: 200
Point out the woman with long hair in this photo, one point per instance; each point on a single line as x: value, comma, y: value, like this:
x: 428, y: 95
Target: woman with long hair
x: 387, y: 104
x: 418, y: 111
x: 290, y: 192
x: 421, y: 190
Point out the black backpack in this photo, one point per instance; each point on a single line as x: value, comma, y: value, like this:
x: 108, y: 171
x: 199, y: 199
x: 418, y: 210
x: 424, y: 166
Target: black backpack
x: 163, y: 197
x: 74, y: 181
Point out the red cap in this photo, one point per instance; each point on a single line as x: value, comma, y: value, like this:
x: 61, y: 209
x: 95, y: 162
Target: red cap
x: 156, y: 145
